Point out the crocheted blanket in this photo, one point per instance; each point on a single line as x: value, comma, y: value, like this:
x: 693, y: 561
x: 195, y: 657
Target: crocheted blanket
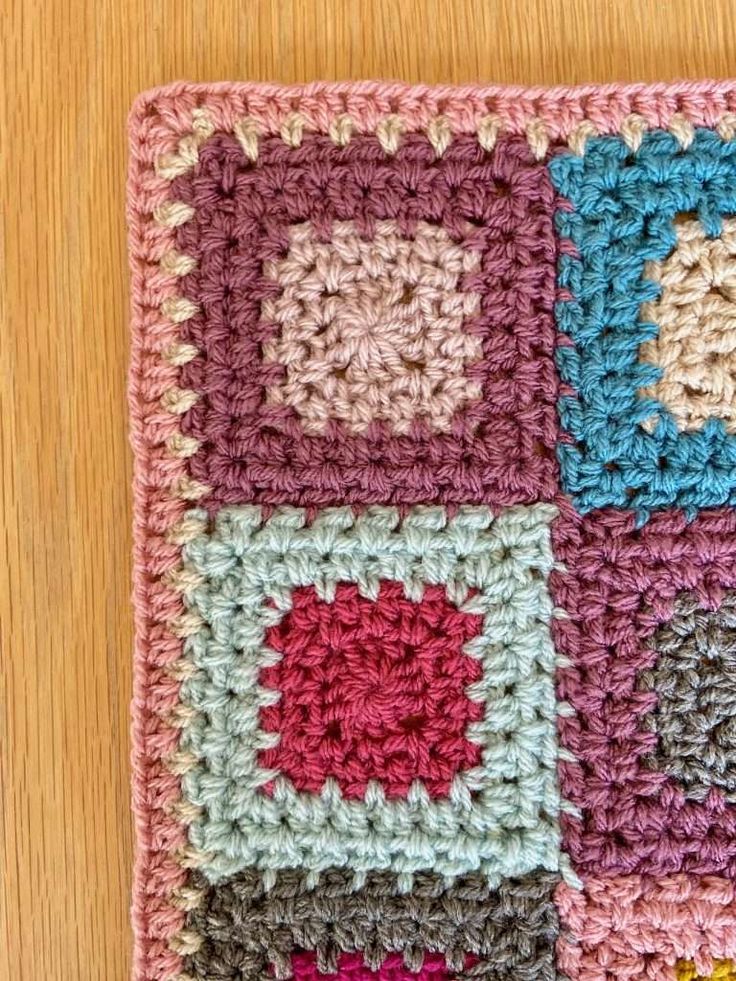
x: 434, y: 415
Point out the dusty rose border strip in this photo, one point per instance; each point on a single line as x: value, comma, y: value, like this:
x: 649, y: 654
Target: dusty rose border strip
x: 599, y: 921
x: 161, y: 493
x: 166, y: 127
x: 342, y: 108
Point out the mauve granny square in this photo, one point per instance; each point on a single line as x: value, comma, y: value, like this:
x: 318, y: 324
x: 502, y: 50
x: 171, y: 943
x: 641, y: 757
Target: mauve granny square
x: 433, y: 404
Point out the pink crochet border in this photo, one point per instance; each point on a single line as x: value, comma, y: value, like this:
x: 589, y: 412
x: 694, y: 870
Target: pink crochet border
x: 560, y: 109
x: 156, y: 511
x: 633, y: 926
x: 159, y: 120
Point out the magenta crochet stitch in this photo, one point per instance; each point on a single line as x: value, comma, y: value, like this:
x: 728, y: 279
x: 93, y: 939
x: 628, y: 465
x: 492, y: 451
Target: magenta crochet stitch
x: 498, y: 449
x: 619, y: 584
x: 352, y: 967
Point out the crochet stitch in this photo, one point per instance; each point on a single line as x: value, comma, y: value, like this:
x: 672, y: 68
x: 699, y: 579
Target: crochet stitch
x: 382, y: 686
x: 627, y: 449
x: 696, y: 316
x: 477, y: 932
x: 641, y: 927
x: 694, y: 679
x: 620, y: 590
x: 722, y: 970
x: 433, y: 402
x: 277, y: 441
x: 492, y: 789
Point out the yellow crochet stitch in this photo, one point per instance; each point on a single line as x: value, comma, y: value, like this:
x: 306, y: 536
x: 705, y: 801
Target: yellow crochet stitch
x: 722, y: 971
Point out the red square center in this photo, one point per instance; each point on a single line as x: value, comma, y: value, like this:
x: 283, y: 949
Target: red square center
x: 372, y: 690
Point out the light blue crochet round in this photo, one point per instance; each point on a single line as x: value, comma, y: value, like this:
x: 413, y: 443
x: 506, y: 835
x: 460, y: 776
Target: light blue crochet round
x: 499, y: 819
x: 618, y: 214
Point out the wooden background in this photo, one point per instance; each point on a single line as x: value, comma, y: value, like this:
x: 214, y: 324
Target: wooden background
x: 70, y: 70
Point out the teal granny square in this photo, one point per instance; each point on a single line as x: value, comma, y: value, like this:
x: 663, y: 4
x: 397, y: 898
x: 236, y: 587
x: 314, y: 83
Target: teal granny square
x: 619, y: 211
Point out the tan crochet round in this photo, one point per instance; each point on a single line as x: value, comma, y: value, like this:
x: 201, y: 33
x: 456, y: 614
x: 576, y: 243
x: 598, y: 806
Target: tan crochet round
x: 696, y: 316
x: 373, y: 329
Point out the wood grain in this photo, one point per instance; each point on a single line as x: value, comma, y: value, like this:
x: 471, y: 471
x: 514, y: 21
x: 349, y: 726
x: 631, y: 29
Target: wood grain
x: 70, y: 71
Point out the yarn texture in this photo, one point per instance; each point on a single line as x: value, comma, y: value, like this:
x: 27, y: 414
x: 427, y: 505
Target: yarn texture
x: 479, y: 695
x: 433, y: 406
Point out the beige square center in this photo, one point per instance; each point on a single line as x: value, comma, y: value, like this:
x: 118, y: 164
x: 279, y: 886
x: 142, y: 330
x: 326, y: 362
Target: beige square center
x: 696, y: 316
x: 374, y: 329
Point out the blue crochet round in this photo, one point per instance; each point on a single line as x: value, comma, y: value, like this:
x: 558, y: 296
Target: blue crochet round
x: 619, y: 213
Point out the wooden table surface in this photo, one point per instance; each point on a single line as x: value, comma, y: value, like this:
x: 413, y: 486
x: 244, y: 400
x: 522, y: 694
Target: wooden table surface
x: 70, y: 71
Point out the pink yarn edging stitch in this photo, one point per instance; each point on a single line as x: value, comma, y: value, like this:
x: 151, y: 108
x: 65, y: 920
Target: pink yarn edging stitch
x: 156, y: 510
x: 315, y: 107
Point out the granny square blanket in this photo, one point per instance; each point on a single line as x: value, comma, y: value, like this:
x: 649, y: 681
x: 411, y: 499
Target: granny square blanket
x: 433, y: 401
